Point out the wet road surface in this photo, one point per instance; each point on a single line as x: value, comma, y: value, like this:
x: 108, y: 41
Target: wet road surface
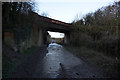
x: 59, y: 63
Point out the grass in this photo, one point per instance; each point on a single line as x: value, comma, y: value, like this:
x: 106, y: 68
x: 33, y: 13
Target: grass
x: 106, y: 63
x: 8, y: 66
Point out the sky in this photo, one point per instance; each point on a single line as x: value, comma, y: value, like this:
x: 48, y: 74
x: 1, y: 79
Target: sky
x: 69, y: 10
x: 56, y: 34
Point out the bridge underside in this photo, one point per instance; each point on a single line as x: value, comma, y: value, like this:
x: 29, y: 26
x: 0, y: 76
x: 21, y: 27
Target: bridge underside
x: 55, y: 28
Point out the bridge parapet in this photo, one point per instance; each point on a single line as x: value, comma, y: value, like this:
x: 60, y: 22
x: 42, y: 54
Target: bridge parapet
x: 46, y: 19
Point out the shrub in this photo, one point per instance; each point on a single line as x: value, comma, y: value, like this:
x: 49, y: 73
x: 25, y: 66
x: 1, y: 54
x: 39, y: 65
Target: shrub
x: 108, y: 44
x: 80, y: 39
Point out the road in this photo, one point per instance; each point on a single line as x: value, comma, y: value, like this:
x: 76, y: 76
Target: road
x: 59, y: 63
x: 56, y: 63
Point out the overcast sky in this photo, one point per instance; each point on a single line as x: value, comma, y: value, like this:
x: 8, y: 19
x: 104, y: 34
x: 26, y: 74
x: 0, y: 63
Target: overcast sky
x: 67, y: 10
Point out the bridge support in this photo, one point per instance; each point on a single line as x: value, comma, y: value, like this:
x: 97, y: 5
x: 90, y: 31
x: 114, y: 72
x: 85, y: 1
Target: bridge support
x: 67, y: 38
x: 44, y: 36
x: 40, y: 38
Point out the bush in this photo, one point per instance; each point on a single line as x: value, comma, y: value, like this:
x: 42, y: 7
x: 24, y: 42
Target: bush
x: 108, y: 44
x: 80, y: 39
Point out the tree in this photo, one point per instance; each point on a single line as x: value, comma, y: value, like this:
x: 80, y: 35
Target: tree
x: 88, y: 19
x: 45, y: 14
x: 16, y: 16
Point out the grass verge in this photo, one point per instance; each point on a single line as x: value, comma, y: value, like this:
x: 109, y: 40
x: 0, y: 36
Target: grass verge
x: 107, y: 64
x: 8, y: 66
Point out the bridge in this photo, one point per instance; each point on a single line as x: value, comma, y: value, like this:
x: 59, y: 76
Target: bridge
x: 38, y: 34
x: 45, y: 24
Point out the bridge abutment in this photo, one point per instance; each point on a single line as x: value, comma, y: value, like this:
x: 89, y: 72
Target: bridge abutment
x: 67, y: 38
x: 40, y: 38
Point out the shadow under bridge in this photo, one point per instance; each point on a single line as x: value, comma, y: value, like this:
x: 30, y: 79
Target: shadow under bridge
x: 56, y: 26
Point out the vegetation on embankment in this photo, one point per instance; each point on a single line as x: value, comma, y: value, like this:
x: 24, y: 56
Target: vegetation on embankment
x: 18, y: 21
x: 98, y: 33
x: 98, y: 30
